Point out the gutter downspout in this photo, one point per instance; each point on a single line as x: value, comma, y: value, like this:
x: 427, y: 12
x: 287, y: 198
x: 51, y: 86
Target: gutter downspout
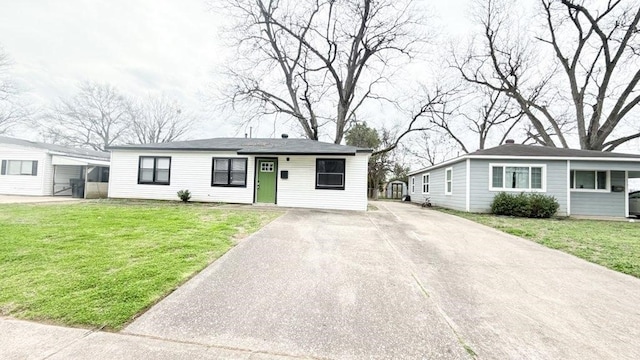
x: 626, y: 193
x: 568, y: 187
x: 468, y: 194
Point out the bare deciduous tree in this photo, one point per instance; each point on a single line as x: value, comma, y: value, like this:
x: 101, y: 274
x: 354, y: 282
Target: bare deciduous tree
x: 318, y: 61
x: 597, y: 63
x: 12, y: 112
x: 431, y: 147
x: 97, y: 117
x: 482, y: 115
x: 159, y: 120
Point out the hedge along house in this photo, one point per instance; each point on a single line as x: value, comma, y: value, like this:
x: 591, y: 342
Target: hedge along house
x: 584, y: 182
x: 40, y: 169
x: 285, y: 172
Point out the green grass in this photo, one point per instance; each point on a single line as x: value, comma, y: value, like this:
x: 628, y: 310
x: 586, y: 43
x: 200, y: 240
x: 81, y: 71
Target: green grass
x: 100, y: 264
x: 613, y: 244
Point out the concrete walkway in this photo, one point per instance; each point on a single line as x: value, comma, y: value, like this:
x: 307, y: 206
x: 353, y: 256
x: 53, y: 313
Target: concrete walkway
x: 400, y: 282
x: 15, y: 199
x: 29, y: 340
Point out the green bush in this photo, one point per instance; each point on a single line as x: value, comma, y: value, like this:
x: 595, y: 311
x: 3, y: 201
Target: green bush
x: 184, y: 195
x: 524, y: 205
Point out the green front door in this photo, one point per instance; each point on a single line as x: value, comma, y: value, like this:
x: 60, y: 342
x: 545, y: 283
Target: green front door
x: 266, y: 170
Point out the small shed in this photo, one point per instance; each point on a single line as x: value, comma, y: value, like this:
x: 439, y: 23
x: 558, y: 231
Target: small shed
x: 396, y: 189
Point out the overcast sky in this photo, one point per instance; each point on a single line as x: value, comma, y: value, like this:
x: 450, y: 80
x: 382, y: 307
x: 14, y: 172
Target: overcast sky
x: 141, y: 47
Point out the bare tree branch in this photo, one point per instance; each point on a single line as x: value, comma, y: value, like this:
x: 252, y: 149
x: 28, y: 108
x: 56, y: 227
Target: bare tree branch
x: 97, y: 117
x: 317, y: 59
x: 596, y: 50
x: 159, y: 120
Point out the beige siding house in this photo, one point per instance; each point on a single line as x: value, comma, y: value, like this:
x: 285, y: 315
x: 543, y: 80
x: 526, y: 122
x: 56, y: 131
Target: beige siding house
x: 284, y: 172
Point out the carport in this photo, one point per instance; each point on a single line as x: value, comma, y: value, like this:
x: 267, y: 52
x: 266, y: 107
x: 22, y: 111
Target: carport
x: 80, y: 177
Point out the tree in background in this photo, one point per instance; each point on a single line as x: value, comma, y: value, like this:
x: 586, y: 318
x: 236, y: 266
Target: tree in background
x: 318, y: 61
x: 97, y: 117
x: 476, y: 118
x: 160, y: 119
x: 381, y: 163
x: 12, y: 112
x: 592, y: 86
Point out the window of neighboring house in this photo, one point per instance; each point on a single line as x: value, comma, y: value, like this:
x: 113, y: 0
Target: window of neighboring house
x: 330, y: 174
x: 425, y: 183
x: 589, y: 180
x: 517, y: 177
x: 19, y: 167
x: 229, y: 172
x: 413, y: 184
x: 448, y: 186
x: 154, y: 170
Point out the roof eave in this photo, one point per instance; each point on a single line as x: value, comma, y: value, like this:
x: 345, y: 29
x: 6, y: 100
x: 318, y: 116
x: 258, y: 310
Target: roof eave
x: 155, y: 148
x: 292, y: 153
x: 556, y: 158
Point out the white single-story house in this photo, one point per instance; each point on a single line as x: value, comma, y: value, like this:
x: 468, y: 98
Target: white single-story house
x: 284, y: 172
x: 40, y: 169
x: 584, y: 182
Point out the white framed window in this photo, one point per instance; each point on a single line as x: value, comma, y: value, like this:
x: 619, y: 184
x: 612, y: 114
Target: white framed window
x: 413, y: 184
x: 517, y: 177
x: 590, y: 180
x: 426, y: 183
x: 267, y: 166
x: 19, y: 167
x: 448, y: 181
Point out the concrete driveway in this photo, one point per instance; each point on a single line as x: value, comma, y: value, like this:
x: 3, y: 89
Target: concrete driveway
x: 401, y: 282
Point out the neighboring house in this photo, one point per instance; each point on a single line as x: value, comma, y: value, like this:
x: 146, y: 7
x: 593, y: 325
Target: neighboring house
x: 285, y: 172
x: 396, y: 189
x: 39, y: 169
x: 583, y: 182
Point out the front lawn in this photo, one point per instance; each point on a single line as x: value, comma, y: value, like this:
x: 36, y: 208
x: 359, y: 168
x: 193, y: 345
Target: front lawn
x: 614, y: 244
x: 99, y: 264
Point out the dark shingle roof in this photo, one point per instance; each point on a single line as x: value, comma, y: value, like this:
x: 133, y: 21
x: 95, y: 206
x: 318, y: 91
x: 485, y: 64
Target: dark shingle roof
x: 252, y: 146
x: 84, y: 153
x: 546, y: 151
x: 535, y: 151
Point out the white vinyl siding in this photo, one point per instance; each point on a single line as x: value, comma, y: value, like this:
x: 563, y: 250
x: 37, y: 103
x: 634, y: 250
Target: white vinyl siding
x: 517, y: 177
x: 299, y: 189
x: 192, y: 170
x: 38, y: 185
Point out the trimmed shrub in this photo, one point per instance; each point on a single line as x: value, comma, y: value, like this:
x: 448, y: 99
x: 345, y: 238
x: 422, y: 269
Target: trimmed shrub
x: 524, y: 205
x: 184, y: 195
